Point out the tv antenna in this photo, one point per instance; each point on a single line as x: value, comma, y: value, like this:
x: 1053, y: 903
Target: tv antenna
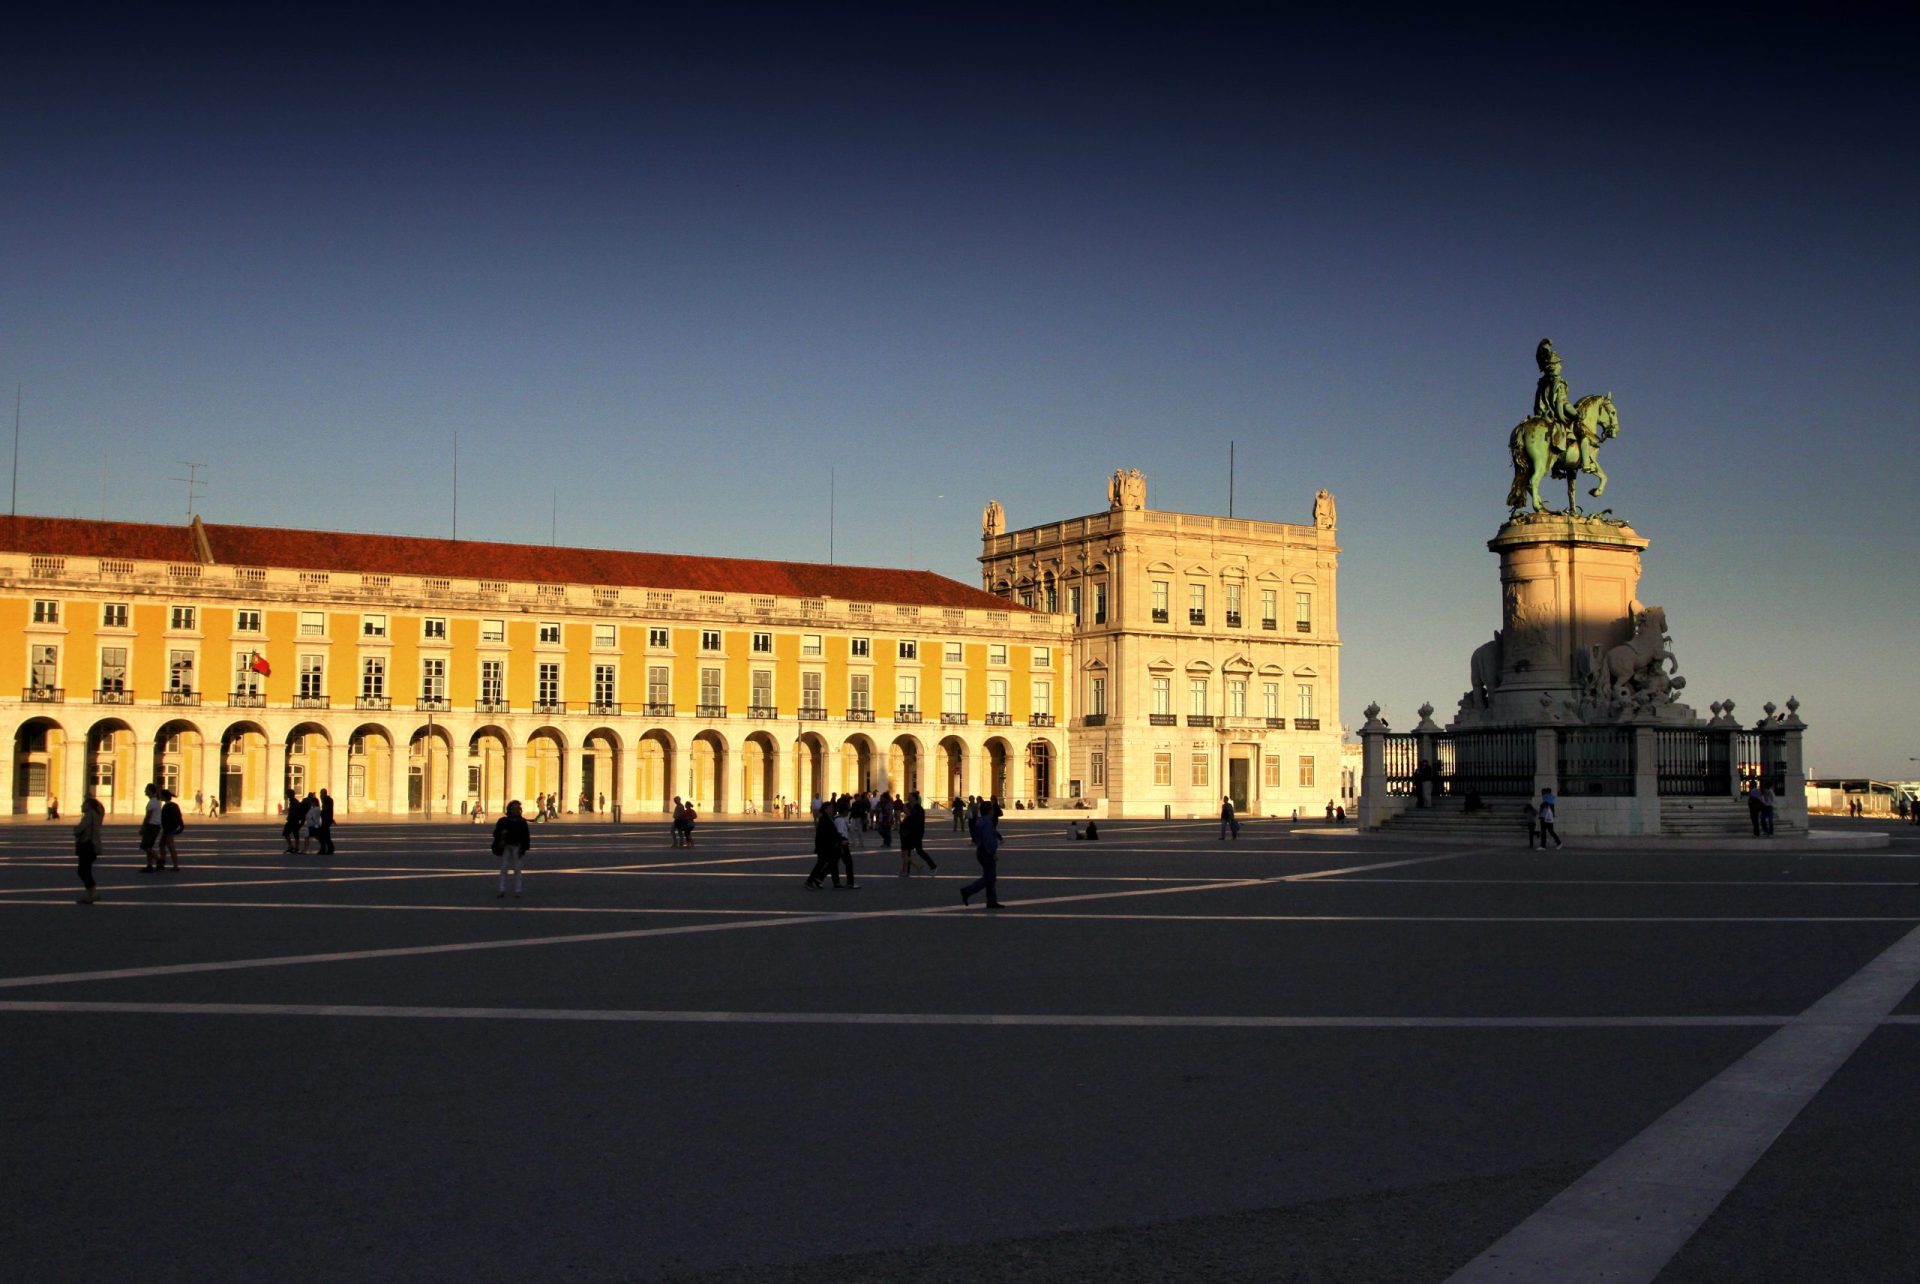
x: 193, y: 483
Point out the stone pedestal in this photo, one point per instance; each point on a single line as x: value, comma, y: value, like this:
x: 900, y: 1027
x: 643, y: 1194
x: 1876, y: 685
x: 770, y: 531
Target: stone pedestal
x: 1567, y: 584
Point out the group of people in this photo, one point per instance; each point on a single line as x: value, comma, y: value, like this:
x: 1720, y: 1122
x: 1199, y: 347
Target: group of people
x: 1540, y: 820
x: 1760, y: 808
x: 309, y: 820
x: 684, y: 817
x: 840, y: 823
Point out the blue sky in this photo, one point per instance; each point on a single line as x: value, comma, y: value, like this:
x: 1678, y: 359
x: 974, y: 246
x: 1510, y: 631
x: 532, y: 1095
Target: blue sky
x: 662, y: 275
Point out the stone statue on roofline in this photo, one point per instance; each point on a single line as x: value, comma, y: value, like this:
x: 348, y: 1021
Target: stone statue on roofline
x: 1127, y: 489
x: 994, y: 520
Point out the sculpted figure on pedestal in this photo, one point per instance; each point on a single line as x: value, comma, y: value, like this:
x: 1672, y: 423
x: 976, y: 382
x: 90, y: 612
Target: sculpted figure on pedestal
x: 1636, y: 677
x: 1323, y: 511
x: 1485, y: 672
x: 994, y: 520
x: 1128, y: 489
x: 1560, y: 439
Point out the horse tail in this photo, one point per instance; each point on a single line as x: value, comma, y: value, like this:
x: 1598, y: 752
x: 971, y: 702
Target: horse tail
x: 1522, y: 466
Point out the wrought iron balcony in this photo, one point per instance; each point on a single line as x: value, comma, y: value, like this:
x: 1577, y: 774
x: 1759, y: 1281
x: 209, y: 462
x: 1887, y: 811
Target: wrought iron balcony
x: 953, y: 719
x: 1094, y: 720
x: 763, y: 711
x: 1270, y: 625
x: 906, y: 713
x: 1160, y: 614
x: 1196, y: 617
x: 489, y: 706
x: 709, y: 710
x: 246, y: 700
x: 180, y: 696
x: 1303, y: 626
x: 859, y: 715
x: 1233, y: 619
x: 1277, y: 724
x: 112, y: 695
x: 999, y: 720
x: 373, y: 702
x: 604, y: 708
x: 44, y: 695
x: 433, y: 704
x: 1040, y: 720
x: 311, y: 702
x: 550, y: 708
x: 658, y: 708
x: 1199, y: 720
x: 813, y: 713
x: 1306, y: 724
x: 1163, y: 719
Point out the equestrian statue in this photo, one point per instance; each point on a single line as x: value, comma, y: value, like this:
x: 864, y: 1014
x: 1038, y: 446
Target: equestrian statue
x: 1560, y: 439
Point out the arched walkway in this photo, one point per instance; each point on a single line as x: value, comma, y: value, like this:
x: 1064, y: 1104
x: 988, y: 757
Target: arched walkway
x: 952, y: 768
x: 487, y: 776
x: 179, y: 760
x: 810, y: 769
x: 760, y: 769
x: 370, y: 770
x: 707, y: 771
x: 546, y: 768
x: 656, y: 753
x: 112, y: 775
x: 856, y: 765
x: 309, y: 761
x: 1039, y: 765
x: 243, y: 770
x: 430, y: 772
x: 903, y: 765
x: 600, y: 771
x: 39, y: 765
x: 997, y: 754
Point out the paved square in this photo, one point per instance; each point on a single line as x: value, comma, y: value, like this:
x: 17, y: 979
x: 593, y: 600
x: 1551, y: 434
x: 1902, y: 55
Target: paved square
x: 1288, y: 1057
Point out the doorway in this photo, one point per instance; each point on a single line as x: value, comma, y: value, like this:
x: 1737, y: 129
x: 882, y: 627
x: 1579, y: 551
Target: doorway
x: 1239, y: 778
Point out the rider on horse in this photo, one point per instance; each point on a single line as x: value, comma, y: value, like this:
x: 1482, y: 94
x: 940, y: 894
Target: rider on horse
x: 1553, y: 403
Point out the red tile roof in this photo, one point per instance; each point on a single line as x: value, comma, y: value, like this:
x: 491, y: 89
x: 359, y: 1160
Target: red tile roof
x: 476, y: 560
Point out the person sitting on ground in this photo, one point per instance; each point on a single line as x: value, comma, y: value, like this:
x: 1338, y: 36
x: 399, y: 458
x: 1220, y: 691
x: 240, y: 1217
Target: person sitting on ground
x: 1093, y: 832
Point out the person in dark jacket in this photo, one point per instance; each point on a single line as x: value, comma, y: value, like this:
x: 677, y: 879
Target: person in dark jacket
x: 826, y: 849
x: 913, y: 837
x: 986, y: 847
x: 295, y: 823
x: 510, y: 842
x: 172, y: 825
x: 86, y: 844
x: 326, y: 823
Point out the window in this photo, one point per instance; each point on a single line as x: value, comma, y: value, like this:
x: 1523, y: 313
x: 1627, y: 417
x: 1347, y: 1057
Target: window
x: 1097, y: 768
x: 1196, y: 604
x: 953, y: 695
x: 181, y: 618
x: 812, y: 698
x: 1097, y: 697
x: 861, y: 647
x: 907, y: 691
x: 909, y: 649
x: 659, y: 684
x: 1269, y: 608
x: 1043, y: 698
x: 860, y: 691
x: 1161, y: 590
x: 1042, y: 657
x: 605, y: 684
x: 45, y: 667
x: 45, y: 611
x: 1197, y: 696
x: 762, y: 688
x: 763, y: 644
x: 1052, y: 595
x: 373, y: 677
x: 493, y: 681
x: 996, y: 695
x: 433, y: 628
x: 113, y: 668
x: 1236, y: 697
x: 1306, y: 772
x: 997, y: 653
x: 605, y: 637
x: 113, y: 615
x: 373, y: 626
x: 710, y: 687
x: 549, y: 634
x: 433, y: 678
x: 1200, y: 768
x: 1073, y: 602
x: 710, y: 641
x: 955, y: 653
x: 179, y: 670
x: 245, y: 680
x: 1273, y: 699
x: 1303, y: 612
x: 1233, y: 606
x: 1303, y: 700
x: 810, y: 644
x: 1163, y: 769
x: 493, y: 630
x: 547, y: 683
x: 313, y: 624
x: 657, y: 639
x: 1099, y: 604
x: 246, y: 621
x: 1163, y: 696
x: 313, y: 677
x: 1271, y: 770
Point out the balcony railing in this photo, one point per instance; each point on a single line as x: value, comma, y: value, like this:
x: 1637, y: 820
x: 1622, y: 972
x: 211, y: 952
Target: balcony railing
x: 1306, y: 724
x: 1160, y: 614
x: 813, y: 713
x: 1196, y: 617
x: 489, y: 706
x: 550, y: 708
x: 1199, y: 720
x: 859, y: 715
x: 1303, y: 626
x: 999, y: 720
x: 1270, y: 625
x: 44, y: 695
x: 1040, y: 720
x: 180, y: 696
x: 603, y: 708
x: 433, y: 704
x: 709, y: 710
x: 953, y: 719
x: 311, y: 702
x: 373, y: 702
x: 1094, y: 720
x: 906, y: 713
x: 657, y: 708
x: 1277, y: 724
x: 112, y: 695
x: 763, y: 711
x: 246, y: 700
x: 1233, y: 619
x: 1163, y: 719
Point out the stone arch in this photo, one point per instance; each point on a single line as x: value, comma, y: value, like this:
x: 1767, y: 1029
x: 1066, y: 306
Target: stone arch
x: 708, y: 758
x: 600, y: 760
x: 489, y: 751
x: 1041, y: 765
x: 243, y: 770
x: 810, y: 776
x: 906, y: 765
x: 309, y: 761
x: 998, y: 756
x: 760, y: 770
x: 546, y: 767
x: 857, y: 764
x: 39, y: 764
x: 951, y: 765
x: 179, y: 757
x: 370, y: 769
x: 430, y: 771
x: 112, y: 774
x: 657, y: 755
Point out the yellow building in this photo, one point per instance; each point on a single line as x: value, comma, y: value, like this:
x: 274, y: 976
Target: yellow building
x: 434, y: 676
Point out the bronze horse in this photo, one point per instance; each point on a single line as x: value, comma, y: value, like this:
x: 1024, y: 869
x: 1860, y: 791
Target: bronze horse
x: 1536, y: 455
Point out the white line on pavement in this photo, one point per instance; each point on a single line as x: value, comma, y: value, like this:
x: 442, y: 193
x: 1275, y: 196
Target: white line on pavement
x: 1627, y: 1217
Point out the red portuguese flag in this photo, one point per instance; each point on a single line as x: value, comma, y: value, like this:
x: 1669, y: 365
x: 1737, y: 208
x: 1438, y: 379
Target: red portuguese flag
x: 260, y: 665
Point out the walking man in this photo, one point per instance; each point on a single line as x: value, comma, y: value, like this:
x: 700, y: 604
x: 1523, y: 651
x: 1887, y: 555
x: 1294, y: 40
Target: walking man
x: 986, y: 849
x: 511, y: 840
x: 1546, y: 821
x: 1229, y: 823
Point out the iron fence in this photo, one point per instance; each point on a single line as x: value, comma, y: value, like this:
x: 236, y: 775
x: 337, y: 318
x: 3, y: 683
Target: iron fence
x: 1691, y: 763
x: 1596, y: 762
x: 1496, y: 763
